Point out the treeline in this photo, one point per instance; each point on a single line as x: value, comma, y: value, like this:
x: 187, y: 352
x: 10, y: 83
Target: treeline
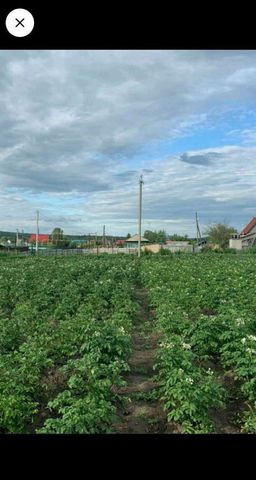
x: 161, y: 236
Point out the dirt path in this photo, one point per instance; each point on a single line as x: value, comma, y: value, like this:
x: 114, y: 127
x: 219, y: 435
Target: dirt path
x: 141, y: 412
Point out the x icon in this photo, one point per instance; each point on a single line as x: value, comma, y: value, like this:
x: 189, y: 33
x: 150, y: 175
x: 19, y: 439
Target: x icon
x: 20, y: 22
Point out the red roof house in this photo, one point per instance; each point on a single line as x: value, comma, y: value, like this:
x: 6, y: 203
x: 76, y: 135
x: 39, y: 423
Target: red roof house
x: 41, y: 238
x: 120, y: 242
x: 249, y: 227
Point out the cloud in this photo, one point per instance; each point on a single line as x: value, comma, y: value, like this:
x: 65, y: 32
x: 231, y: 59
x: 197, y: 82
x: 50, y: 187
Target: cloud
x: 206, y: 159
x: 79, y: 127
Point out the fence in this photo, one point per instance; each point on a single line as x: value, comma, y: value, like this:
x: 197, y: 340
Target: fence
x: 47, y: 252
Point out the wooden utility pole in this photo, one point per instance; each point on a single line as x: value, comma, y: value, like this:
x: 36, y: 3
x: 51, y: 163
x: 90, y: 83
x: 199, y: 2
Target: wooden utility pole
x: 37, y: 229
x: 198, y: 233
x: 140, y: 214
x: 104, y: 236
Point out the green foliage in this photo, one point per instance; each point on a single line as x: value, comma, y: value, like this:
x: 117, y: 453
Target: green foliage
x: 65, y: 338
x: 165, y: 251
x: 72, y: 316
x: 179, y: 238
x: 205, y: 307
x: 220, y: 233
x: 58, y: 239
x: 155, y: 237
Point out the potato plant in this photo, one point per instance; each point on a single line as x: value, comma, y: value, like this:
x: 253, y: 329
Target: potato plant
x: 206, y: 311
x: 71, y: 316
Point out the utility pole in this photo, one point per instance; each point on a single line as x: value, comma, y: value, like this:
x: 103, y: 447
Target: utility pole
x: 198, y: 233
x: 17, y: 237
x: 97, y: 248
x: 140, y: 211
x: 37, y: 229
x: 104, y: 237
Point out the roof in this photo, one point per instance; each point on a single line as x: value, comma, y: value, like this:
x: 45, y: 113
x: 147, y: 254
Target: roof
x: 135, y: 238
x: 248, y: 227
x: 41, y: 237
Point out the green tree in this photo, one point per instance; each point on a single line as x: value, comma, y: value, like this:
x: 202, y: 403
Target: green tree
x: 58, y: 239
x: 128, y: 235
x: 155, y: 237
x: 178, y: 238
x: 161, y: 236
x: 3, y: 240
x: 220, y: 233
x: 150, y: 236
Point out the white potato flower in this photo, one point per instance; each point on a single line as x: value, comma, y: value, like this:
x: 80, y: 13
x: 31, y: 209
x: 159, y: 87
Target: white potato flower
x: 252, y: 337
x: 240, y: 321
x: 190, y: 380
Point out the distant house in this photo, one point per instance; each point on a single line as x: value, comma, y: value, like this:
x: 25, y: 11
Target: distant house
x: 132, y: 242
x: 120, y: 243
x: 247, y: 237
x: 77, y: 242
x: 41, y: 238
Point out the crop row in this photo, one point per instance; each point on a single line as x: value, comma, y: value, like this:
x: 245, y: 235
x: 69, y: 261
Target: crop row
x: 64, y: 339
x: 206, y: 310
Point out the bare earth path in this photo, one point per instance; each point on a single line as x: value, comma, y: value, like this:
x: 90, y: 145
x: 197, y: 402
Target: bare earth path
x: 141, y: 412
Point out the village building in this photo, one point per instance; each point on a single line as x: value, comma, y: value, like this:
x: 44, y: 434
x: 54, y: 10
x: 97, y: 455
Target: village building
x: 42, y: 238
x: 247, y: 237
x: 120, y: 243
x: 132, y: 242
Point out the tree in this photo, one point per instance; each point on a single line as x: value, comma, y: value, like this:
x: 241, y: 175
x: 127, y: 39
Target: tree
x: 3, y: 240
x: 161, y: 236
x: 155, y: 237
x: 179, y: 238
x: 128, y: 235
x: 220, y: 233
x: 58, y: 239
x: 150, y: 236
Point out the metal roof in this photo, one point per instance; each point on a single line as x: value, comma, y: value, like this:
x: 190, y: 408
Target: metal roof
x: 135, y: 238
x: 248, y: 227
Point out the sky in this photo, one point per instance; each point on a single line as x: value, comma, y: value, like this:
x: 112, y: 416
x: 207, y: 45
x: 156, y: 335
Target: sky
x: 78, y: 128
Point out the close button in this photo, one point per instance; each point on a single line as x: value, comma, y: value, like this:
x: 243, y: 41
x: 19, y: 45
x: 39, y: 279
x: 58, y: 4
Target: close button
x: 19, y: 22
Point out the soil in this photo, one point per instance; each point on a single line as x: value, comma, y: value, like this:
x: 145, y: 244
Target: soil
x: 140, y: 412
x: 227, y: 420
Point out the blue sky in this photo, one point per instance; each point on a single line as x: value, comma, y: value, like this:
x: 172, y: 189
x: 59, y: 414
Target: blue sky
x: 79, y: 127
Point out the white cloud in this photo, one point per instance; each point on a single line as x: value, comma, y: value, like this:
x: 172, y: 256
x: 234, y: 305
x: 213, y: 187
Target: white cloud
x: 78, y: 125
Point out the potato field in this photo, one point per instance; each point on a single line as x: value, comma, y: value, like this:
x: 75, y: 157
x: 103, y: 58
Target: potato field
x: 113, y: 344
